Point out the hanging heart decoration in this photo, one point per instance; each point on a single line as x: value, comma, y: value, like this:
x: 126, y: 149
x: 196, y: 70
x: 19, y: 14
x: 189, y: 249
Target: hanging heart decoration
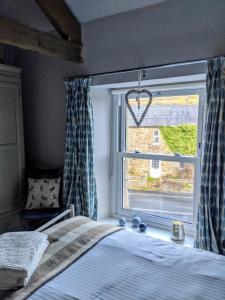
x: 138, y: 94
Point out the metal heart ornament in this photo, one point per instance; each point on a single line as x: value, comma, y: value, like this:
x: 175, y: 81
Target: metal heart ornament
x: 137, y: 94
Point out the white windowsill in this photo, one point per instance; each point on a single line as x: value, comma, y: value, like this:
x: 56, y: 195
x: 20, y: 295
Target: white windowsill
x: 153, y: 232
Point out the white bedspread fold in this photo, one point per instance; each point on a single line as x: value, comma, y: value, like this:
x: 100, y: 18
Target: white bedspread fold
x: 20, y: 253
x: 133, y: 266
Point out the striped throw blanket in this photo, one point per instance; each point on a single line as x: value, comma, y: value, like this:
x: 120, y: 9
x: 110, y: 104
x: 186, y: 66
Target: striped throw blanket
x: 68, y: 240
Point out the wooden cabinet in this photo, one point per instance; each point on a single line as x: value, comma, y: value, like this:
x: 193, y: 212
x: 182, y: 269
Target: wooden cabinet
x: 11, y: 147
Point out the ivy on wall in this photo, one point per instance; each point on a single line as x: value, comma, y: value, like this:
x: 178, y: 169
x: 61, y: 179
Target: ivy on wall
x: 181, y: 138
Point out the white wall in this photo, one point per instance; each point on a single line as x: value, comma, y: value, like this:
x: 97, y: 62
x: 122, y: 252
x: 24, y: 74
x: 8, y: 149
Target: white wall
x: 101, y: 106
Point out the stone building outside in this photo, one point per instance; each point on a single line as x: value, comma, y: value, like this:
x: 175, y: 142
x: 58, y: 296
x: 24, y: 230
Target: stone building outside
x: 155, y: 175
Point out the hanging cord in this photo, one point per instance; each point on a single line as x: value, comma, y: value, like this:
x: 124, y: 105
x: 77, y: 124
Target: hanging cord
x: 138, y: 93
x: 141, y: 75
x: 138, y: 98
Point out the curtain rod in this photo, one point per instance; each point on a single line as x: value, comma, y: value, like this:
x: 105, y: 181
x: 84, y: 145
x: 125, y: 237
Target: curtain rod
x: 140, y: 68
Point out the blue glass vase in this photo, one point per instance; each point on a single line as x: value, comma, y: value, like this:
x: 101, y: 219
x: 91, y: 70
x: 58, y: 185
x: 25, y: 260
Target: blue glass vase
x: 142, y: 227
x: 136, y: 221
x: 122, y: 221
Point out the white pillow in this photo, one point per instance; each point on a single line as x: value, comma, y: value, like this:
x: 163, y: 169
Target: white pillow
x: 43, y: 193
x: 20, y: 253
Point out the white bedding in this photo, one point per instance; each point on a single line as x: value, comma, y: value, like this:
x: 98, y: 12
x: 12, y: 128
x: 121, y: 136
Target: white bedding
x: 20, y: 253
x: 131, y: 266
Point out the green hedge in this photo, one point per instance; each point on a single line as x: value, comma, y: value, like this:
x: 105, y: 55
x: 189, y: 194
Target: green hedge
x: 180, y: 139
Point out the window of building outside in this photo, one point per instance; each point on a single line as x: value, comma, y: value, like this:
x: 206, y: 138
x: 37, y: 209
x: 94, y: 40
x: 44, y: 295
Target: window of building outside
x: 156, y: 135
x: 155, y: 164
x: 160, y: 183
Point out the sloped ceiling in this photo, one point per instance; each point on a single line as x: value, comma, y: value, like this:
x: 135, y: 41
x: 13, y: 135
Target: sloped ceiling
x: 89, y: 10
x: 28, y: 12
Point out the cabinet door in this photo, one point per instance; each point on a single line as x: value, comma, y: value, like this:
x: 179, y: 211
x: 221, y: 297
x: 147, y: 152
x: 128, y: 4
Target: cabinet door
x: 11, y: 147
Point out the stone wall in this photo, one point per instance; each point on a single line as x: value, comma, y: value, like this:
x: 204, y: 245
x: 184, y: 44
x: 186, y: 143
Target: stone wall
x: 172, y: 176
x: 137, y: 137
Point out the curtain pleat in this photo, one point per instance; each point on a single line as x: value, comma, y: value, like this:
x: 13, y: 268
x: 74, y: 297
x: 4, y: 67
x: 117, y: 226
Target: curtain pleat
x: 79, y: 184
x: 210, y: 228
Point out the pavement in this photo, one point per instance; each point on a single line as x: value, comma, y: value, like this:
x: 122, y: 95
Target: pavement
x: 179, y: 207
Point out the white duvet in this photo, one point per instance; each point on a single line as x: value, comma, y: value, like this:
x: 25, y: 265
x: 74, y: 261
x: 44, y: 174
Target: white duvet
x: 131, y: 266
x: 20, y: 253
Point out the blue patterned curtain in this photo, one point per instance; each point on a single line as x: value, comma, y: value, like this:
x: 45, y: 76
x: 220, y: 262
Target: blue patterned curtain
x: 79, y: 186
x: 210, y: 234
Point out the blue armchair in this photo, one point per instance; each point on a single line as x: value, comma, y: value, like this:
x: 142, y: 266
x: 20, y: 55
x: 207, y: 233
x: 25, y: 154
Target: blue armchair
x: 35, y: 218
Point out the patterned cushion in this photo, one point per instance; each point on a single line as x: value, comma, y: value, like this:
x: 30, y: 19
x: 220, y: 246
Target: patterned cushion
x: 43, y: 193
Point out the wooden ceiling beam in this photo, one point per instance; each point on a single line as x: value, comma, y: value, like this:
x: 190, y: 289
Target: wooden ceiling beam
x: 25, y: 37
x: 62, y: 19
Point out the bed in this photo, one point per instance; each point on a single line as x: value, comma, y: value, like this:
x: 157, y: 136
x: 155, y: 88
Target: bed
x: 119, y: 264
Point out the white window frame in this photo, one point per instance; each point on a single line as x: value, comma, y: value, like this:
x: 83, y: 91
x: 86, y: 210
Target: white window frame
x: 155, y: 136
x: 118, y: 153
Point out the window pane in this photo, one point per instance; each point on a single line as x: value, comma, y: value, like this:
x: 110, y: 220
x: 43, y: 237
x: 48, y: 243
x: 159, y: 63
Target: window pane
x: 169, y: 127
x: 160, y: 188
x: 155, y: 164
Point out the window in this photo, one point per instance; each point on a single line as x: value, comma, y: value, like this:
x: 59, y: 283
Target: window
x: 155, y: 164
x: 160, y: 184
x: 182, y: 165
x: 155, y: 169
x: 156, y: 137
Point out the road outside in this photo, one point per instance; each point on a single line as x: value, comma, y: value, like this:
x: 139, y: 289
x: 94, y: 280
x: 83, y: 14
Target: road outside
x: 178, y: 207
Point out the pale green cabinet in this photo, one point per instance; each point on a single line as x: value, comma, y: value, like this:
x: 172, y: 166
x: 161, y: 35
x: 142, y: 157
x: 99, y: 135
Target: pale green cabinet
x: 11, y: 147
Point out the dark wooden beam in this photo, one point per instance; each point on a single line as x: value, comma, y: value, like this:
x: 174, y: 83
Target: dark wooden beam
x: 25, y: 37
x: 62, y: 19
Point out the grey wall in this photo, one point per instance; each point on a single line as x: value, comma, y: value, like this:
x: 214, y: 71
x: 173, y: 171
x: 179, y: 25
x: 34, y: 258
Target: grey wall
x: 44, y: 108
x: 172, y: 31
